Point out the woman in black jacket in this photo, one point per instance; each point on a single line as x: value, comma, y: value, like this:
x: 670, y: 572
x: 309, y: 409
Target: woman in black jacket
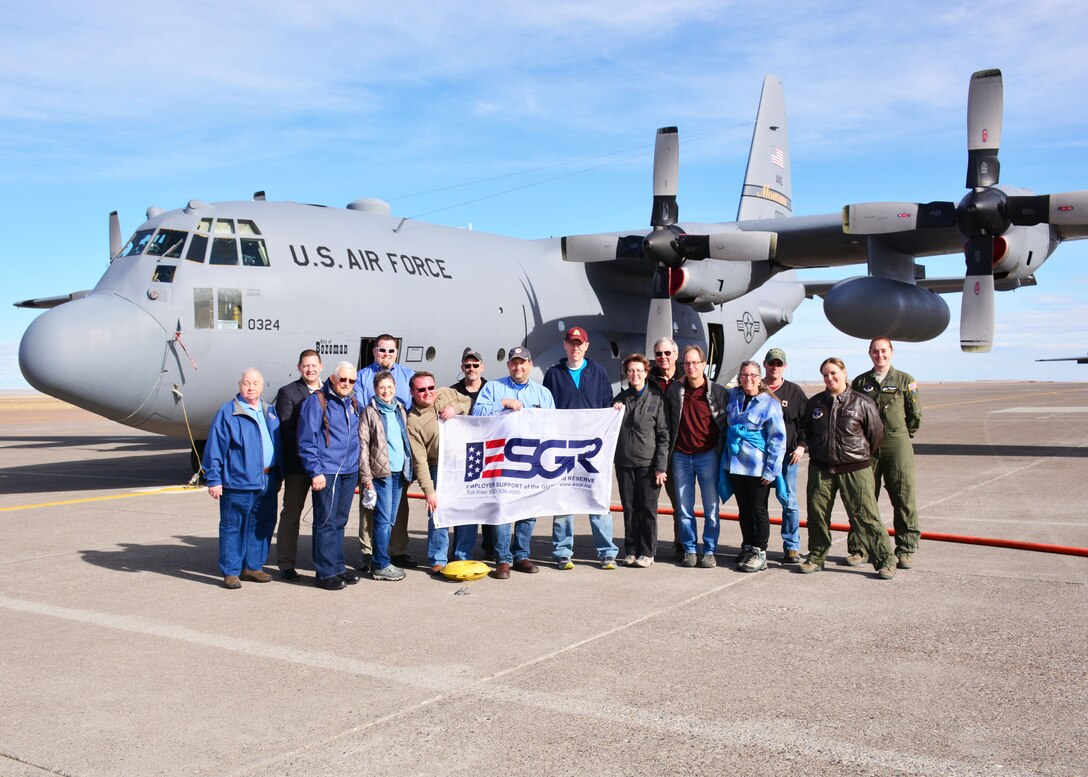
x: 642, y: 453
x: 844, y: 431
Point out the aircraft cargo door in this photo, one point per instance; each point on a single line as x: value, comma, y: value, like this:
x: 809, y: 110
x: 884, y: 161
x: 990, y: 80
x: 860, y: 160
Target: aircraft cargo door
x: 715, y: 350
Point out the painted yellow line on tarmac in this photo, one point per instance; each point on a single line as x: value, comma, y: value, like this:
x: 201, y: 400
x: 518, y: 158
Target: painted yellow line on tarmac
x: 149, y: 492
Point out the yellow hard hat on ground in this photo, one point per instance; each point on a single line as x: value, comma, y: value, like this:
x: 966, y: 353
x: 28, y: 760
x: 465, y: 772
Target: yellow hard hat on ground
x: 466, y: 570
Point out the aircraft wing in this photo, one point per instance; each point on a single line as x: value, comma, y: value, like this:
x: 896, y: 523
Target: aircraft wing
x: 1077, y: 359
x: 43, y: 303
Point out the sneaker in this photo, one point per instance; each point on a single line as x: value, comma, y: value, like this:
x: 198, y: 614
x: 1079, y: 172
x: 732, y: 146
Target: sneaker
x: 387, y: 573
x: 689, y: 560
x: 707, y: 561
x: 886, y: 572
x: 255, y: 576
x: 744, y: 551
x: 791, y: 557
x: 756, y: 561
x: 808, y: 567
x: 608, y: 563
x: 232, y: 582
x: 564, y: 563
x: 906, y: 561
x: 629, y: 560
x: 643, y: 561
x: 856, y: 559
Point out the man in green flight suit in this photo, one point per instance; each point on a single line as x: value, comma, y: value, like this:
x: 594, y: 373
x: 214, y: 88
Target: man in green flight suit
x: 896, y: 395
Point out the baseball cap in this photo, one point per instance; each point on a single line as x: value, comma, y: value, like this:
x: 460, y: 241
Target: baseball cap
x: 471, y: 354
x: 577, y: 333
x: 519, y: 353
x: 775, y: 354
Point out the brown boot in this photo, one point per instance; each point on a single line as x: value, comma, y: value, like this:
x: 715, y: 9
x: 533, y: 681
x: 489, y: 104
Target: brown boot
x: 255, y: 576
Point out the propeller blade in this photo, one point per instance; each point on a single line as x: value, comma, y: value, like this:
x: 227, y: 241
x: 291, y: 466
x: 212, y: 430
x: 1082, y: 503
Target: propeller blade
x: 666, y: 171
x: 984, y: 107
x: 1065, y: 208
x: 115, y: 234
x: 659, y: 321
x: 881, y: 218
x: 589, y: 248
x: 977, y: 308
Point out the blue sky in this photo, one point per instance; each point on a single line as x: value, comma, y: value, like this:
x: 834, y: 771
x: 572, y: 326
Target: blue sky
x: 533, y: 119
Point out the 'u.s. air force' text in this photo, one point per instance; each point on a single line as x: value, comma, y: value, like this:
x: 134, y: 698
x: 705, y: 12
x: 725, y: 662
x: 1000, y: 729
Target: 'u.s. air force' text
x: 370, y: 261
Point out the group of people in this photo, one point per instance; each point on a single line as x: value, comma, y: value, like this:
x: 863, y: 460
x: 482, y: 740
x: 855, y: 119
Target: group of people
x: 374, y: 430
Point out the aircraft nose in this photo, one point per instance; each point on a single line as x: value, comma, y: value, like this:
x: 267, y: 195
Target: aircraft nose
x: 101, y: 352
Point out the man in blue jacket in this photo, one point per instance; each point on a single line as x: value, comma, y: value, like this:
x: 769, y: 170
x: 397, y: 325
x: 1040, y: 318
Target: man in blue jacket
x: 578, y: 383
x: 241, y: 463
x: 328, y: 444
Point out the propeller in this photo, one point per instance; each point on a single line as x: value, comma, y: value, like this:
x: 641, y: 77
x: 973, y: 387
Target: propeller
x: 986, y: 212
x: 667, y: 245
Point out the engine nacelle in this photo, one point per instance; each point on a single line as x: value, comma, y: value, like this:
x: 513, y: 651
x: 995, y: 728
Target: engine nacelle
x: 710, y: 282
x: 868, y: 307
x: 1025, y: 250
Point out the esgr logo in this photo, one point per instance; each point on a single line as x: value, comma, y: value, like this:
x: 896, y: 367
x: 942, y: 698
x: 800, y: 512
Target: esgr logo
x: 524, y: 458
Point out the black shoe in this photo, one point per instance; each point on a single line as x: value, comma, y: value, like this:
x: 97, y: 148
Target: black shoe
x: 349, y: 577
x: 404, y: 562
x: 330, y: 583
x: 289, y: 573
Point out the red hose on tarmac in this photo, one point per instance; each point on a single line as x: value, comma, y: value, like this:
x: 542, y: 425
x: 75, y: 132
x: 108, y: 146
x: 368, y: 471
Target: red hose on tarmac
x: 991, y: 542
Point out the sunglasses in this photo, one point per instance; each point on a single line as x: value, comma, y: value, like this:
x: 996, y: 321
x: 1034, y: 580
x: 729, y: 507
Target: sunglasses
x: 423, y: 389
x: 387, y: 350
x: 470, y: 366
x: 662, y: 353
x: 350, y: 381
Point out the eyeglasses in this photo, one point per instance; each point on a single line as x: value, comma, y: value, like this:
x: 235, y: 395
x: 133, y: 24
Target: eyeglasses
x: 692, y: 364
x: 350, y: 381
x: 747, y: 376
x: 662, y: 353
x: 386, y: 350
x: 635, y: 370
x: 423, y: 389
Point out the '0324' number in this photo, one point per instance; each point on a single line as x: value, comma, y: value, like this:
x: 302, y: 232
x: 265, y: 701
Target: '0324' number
x: 263, y: 323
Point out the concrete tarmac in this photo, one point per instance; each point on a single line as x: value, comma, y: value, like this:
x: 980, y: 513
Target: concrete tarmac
x: 123, y: 654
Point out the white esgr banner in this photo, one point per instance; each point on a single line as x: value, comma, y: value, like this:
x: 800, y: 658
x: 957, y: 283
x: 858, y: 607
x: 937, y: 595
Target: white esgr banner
x: 502, y: 468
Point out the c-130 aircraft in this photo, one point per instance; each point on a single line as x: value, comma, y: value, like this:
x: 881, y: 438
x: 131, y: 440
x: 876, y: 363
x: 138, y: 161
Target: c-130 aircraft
x: 199, y: 293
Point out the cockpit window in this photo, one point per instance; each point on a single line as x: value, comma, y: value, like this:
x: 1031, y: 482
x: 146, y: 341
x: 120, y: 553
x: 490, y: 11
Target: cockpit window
x: 167, y: 243
x: 224, y: 251
x: 138, y: 242
x: 247, y: 228
x: 253, y: 253
x: 224, y: 226
x: 164, y: 273
x: 204, y: 225
x: 198, y: 248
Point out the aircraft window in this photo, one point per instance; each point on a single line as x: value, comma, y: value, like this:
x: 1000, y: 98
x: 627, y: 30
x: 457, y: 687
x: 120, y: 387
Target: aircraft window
x: 229, y: 310
x: 138, y: 242
x: 224, y: 251
x: 253, y: 253
x: 168, y: 243
x: 247, y: 228
x: 203, y: 308
x: 198, y: 248
x: 164, y: 273
x: 224, y: 227
x: 204, y: 225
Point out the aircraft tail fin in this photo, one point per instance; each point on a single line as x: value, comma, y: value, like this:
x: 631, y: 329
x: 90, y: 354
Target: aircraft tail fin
x: 768, y: 190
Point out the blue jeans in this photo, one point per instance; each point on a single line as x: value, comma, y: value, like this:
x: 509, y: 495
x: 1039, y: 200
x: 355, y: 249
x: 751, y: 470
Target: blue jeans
x: 687, y: 469
x: 246, y: 521
x: 388, y: 490
x: 331, y: 507
x: 438, y: 540
x: 464, y: 542
x: 791, y: 514
x: 563, y: 536
x: 513, y: 545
